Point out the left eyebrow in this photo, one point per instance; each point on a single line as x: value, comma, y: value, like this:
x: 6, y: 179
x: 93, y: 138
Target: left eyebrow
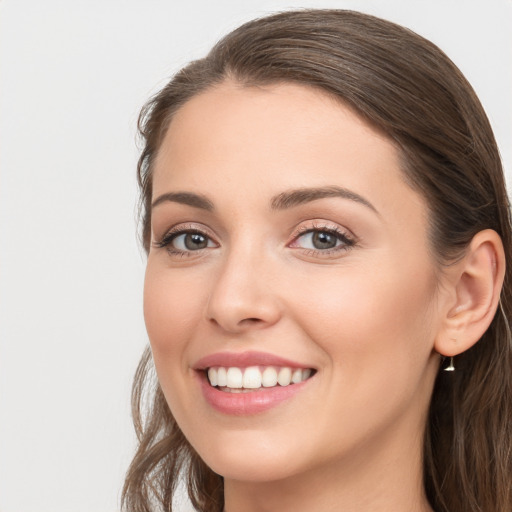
x: 296, y: 197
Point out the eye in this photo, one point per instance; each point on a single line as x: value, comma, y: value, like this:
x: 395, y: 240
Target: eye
x: 184, y: 241
x: 319, y: 240
x: 191, y: 241
x: 323, y: 240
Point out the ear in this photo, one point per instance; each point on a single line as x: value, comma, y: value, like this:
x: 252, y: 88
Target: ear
x: 472, y: 294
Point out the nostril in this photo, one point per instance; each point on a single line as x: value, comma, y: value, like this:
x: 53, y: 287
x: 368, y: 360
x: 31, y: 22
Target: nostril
x: 250, y: 321
x: 243, y: 322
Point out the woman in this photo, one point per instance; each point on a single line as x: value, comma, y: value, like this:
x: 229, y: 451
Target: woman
x: 327, y: 226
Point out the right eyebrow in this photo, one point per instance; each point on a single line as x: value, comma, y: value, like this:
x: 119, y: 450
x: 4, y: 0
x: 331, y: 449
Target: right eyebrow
x: 188, y: 198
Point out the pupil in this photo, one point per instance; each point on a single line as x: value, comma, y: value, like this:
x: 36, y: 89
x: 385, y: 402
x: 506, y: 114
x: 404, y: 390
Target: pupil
x: 323, y: 240
x: 194, y: 241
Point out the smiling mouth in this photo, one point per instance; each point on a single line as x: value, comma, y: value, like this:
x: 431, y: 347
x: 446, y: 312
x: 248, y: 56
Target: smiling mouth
x: 255, y: 378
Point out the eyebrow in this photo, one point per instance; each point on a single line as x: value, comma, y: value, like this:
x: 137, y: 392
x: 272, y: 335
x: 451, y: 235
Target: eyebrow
x: 292, y: 198
x: 282, y: 201
x: 188, y: 198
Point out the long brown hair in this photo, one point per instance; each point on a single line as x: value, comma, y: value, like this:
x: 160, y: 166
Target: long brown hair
x: 407, y: 88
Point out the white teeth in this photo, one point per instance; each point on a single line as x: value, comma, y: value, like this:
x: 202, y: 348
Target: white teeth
x: 297, y: 376
x: 269, y: 377
x: 284, y: 377
x: 234, y: 378
x: 255, y: 377
x: 252, y: 378
x: 212, y: 376
x: 222, y: 378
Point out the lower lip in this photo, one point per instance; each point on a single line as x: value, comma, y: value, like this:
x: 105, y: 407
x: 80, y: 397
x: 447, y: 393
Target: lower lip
x: 253, y: 402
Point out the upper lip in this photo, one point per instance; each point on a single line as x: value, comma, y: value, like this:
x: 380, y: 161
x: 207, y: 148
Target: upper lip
x: 245, y: 359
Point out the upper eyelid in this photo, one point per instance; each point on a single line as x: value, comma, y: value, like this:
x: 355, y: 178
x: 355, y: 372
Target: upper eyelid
x: 340, y: 234
x: 187, y: 227
x: 322, y: 225
x: 348, y: 238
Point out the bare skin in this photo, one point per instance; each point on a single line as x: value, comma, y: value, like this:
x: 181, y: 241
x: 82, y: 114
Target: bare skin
x: 363, y: 307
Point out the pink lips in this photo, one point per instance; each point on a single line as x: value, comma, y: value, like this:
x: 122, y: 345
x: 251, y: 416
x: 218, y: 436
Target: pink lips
x: 240, y: 404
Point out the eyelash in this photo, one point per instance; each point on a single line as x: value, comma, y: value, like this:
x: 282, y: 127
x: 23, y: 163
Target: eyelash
x: 347, y: 241
x: 170, y: 236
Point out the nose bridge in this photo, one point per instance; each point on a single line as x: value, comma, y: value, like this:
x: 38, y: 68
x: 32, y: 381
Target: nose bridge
x: 242, y: 295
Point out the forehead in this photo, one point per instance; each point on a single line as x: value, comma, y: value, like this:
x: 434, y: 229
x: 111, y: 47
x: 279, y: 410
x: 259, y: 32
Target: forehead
x: 279, y: 114
x: 268, y: 139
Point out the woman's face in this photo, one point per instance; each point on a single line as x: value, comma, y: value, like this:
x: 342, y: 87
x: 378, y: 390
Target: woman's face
x: 285, y: 240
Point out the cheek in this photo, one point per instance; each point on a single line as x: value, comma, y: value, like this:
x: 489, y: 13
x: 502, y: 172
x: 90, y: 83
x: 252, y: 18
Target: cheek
x: 172, y: 309
x: 377, y: 333
x: 368, y: 319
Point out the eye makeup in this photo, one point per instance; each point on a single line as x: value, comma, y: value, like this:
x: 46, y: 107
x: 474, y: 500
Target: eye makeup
x: 322, y: 239
x: 186, y: 239
x: 316, y: 239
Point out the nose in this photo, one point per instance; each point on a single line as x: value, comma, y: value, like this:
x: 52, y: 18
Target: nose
x: 243, y: 295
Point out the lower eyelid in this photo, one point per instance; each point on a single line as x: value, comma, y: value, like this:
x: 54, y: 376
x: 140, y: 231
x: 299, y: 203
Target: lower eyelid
x: 335, y: 253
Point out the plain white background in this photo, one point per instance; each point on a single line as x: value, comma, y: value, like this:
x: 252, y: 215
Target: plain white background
x: 73, y: 77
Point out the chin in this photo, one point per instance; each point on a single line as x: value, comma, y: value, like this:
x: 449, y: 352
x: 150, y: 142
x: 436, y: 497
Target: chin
x: 251, y: 458
x: 245, y: 469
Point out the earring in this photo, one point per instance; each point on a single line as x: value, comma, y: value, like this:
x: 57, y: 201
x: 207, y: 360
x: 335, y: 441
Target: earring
x: 450, y: 367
